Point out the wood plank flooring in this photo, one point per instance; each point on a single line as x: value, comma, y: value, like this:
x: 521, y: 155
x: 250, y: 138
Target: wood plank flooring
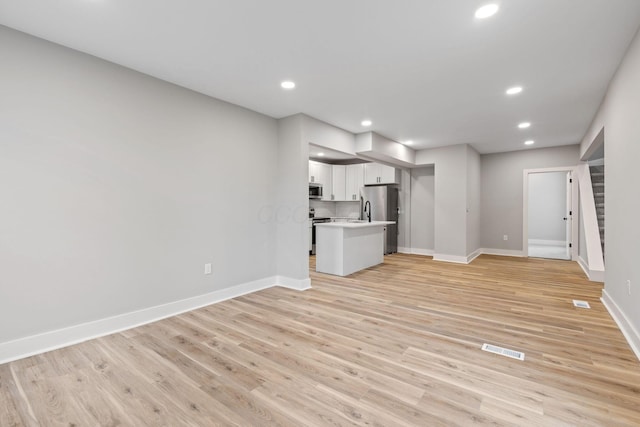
x: 393, y: 345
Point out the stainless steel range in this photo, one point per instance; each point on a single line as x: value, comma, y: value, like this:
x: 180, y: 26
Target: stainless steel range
x: 315, y: 221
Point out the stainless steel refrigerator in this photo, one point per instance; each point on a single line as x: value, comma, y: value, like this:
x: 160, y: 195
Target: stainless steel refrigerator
x: 384, y: 207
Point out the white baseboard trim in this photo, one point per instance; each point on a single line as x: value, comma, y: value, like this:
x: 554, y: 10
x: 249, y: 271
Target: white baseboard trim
x: 629, y: 332
x: 450, y: 258
x: 47, y: 341
x: 475, y: 254
x: 295, y: 284
x: 501, y: 252
x: 583, y: 264
x: 592, y: 275
x: 416, y: 251
x: 547, y: 242
x: 419, y: 251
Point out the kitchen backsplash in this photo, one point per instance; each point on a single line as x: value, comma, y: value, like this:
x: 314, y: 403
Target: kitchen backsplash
x: 323, y: 209
x: 335, y: 209
x: 348, y: 209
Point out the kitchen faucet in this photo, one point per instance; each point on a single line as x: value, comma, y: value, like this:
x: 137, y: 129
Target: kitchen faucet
x: 368, y: 212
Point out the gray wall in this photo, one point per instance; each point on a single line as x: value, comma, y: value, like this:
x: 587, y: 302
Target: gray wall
x: 450, y: 198
x: 474, y: 178
x: 582, y: 244
x: 422, y: 208
x: 292, y: 209
x: 547, y: 206
x: 404, y: 205
x: 618, y: 115
x: 502, y: 195
x: 117, y: 188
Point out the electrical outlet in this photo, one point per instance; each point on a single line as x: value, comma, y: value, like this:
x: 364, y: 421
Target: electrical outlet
x: 629, y: 286
x: 207, y: 269
x: 505, y: 237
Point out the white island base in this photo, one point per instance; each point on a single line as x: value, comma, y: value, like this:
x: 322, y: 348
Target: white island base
x: 343, y: 248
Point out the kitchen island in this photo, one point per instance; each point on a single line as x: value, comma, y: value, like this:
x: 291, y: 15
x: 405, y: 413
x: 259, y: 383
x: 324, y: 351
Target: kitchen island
x: 345, y: 247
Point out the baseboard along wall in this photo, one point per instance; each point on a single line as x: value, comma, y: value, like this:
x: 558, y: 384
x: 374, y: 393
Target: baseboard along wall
x: 630, y: 333
x: 48, y: 341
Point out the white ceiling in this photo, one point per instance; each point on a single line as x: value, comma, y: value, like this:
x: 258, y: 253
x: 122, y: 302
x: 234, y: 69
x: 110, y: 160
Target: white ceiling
x: 424, y: 70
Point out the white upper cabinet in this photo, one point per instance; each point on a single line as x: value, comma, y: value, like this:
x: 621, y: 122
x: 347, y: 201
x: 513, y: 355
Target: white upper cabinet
x: 389, y: 175
x: 320, y: 173
x: 354, y: 181
x: 338, y: 178
x: 313, y: 171
x: 376, y: 173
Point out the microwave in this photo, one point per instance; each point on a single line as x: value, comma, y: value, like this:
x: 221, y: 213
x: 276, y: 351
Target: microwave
x: 315, y: 190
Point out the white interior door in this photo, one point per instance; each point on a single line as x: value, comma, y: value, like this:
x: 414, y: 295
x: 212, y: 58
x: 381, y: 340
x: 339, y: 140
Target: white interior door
x: 549, y: 220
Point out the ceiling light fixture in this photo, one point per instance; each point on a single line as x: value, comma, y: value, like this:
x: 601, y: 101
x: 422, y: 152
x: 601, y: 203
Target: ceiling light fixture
x: 529, y: 142
x: 486, y: 11
x: 320, y: 154
x: 524, y: 125
x: 366, y: 123
x: 287, y: 85
x: 514, y: 90
x: 408, y: 142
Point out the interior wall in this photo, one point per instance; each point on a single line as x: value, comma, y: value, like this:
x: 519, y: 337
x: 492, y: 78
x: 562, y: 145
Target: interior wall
x: 422, y: 209
x: 501, y: 202
x: 317, y: 132
x: 117, y: 188
x: 618, y: 115
x: 582, y: 244
x: 547, y: 206
x: 450, y: 217
x: 405, y: 209
x: 291, y: 213
x: 474, y: 179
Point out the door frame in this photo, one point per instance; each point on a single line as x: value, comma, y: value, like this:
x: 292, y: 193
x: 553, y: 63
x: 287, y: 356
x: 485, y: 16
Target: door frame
x: 574, y: 203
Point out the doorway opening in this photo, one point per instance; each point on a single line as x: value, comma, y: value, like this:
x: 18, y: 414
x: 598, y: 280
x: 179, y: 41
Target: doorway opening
x: 549, y: 206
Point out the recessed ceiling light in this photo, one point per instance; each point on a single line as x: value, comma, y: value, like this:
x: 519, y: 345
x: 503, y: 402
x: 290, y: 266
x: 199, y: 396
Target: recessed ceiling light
x: 529, y: 142
x: 524, y: 125
x: 408, y: 142
x: 287, y: 85
x: 514, y: 90
x: 486, y: 11
x: 366, y: 123
x: 320, y: 154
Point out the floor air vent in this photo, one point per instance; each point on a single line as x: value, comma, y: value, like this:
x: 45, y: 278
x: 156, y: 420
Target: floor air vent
x: 503, y: 351
x: 581, y: 304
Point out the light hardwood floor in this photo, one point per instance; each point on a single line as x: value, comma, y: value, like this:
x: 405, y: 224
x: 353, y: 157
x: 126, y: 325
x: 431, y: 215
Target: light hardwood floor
x: 394, y: 345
